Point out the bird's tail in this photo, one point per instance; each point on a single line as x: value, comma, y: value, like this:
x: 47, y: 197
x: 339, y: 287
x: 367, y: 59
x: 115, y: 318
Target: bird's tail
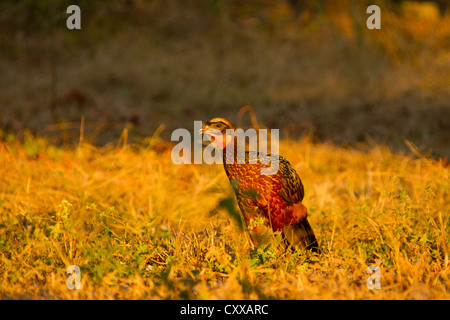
x: 301, y: 235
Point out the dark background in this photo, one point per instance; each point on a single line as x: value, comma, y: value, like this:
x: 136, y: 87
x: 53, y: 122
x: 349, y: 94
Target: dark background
x: 305, y: 67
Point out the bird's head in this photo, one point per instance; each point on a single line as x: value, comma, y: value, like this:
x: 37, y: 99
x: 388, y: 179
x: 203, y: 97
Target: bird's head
x: 216, y: 129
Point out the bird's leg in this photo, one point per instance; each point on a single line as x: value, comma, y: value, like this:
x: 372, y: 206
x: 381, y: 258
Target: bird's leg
x: 260, y: 232
x: 259, y: 229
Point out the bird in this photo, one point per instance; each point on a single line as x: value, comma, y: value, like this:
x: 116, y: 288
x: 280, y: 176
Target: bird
x: 268, y: 202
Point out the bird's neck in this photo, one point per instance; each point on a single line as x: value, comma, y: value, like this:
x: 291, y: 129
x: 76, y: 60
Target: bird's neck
x: 231, y: 153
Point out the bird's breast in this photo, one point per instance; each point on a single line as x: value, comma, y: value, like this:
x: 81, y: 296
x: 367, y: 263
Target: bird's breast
x: 263, y: 190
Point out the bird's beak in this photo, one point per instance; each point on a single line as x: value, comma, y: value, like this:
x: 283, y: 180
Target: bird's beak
x: 203, y: 129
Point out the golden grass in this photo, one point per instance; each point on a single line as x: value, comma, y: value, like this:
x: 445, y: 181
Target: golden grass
x: 141, y: 227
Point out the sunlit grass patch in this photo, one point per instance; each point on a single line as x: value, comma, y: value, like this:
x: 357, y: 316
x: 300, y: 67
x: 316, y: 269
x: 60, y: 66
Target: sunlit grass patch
x: 139, y: 226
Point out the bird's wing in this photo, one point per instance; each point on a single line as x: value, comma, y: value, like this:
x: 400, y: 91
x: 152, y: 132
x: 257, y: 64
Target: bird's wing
x: 248, y: 203
x: 245, y: 198
x: 291, y: 185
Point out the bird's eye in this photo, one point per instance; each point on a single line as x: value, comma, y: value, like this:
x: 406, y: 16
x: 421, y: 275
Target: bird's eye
x: 218, y: 125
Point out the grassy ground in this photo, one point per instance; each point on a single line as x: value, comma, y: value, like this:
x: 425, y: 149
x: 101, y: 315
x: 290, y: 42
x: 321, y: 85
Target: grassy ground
x: 139, y: 226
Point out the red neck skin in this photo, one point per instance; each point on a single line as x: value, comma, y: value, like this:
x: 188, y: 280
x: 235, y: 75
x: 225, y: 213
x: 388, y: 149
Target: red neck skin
x: 228, y: 145
x: 221, y: 141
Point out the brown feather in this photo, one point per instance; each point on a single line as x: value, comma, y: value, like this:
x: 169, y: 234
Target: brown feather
x: 275, y: 198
